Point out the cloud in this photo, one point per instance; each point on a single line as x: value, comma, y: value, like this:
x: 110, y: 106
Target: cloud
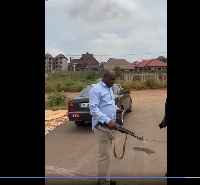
x: 107, y: 27
x: 108, y: 43
x: 106, y: 14
x: 136, y: 41
x: 68, y: 36
x: 102, y: 11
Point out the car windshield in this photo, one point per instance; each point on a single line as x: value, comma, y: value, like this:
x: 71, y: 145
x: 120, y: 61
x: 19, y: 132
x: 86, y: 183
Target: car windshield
x: 85, y: 91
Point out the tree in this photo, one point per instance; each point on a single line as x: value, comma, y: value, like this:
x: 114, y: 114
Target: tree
x: 118, y: 71
x: 163, y: 59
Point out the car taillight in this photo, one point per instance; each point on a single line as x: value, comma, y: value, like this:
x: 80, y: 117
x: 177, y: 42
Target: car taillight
x: 70, y: 105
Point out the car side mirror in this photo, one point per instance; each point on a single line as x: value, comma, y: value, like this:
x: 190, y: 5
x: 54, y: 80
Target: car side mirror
x: 127, y: 92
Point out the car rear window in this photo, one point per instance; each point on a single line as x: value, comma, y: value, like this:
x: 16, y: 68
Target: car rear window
x: 85, y: 91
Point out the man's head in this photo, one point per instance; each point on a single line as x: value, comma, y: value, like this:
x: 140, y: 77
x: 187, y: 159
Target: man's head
x: 109, y: 77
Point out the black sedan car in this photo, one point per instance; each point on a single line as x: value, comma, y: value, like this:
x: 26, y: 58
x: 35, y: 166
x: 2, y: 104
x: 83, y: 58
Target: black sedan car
x: 78, y: 108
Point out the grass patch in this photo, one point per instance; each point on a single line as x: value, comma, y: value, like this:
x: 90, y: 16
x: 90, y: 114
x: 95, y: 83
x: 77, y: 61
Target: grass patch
x: 150, y: 83
x: 56, y: 84
x: 56, y: 101
x: 70, y: 82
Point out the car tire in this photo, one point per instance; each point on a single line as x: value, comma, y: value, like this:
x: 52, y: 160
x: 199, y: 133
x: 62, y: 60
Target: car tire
x: 130, y: 109
x: 121, y: 120
x: 79, y: 123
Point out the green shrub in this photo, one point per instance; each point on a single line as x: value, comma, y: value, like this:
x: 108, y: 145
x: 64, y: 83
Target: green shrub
x: 127, y: 85
x: 151, y: 82
x: 161, y: 84
x: 56, y: 99
x: 139, y: 85
x: 75, y: 82
x: 137, y: 78
x: 91, y: 76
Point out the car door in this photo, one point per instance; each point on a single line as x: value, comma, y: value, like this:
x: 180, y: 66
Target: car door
x: 116, y: 92
x: 123, y: 98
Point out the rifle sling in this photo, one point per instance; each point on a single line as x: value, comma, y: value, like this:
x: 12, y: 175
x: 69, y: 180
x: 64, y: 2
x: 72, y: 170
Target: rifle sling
x: 113, y: 145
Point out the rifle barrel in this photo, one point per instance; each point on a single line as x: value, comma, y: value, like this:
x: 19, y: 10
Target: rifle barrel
x: 123, y: 130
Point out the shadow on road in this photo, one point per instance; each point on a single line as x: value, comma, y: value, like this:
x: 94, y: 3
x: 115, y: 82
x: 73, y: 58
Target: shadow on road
x: 146, y: 150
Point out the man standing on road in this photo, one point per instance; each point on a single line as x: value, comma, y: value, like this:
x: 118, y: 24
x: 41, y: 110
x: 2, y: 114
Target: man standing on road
x: 163, y: 124
x: 103, y: 109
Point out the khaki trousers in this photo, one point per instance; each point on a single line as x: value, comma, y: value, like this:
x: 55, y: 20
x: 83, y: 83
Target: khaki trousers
x: 104, y: 149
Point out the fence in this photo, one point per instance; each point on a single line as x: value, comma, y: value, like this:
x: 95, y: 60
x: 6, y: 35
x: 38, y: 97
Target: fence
x: 127, y: 76
x: 132, y: 77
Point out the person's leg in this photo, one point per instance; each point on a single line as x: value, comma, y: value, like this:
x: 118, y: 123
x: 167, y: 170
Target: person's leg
x: 104, y: 145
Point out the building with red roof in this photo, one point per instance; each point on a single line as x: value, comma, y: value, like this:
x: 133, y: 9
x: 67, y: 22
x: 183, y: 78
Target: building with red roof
x: 153, y: 64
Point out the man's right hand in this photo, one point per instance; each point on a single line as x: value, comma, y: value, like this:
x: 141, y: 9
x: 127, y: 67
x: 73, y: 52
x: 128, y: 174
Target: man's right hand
x: 112, y: 125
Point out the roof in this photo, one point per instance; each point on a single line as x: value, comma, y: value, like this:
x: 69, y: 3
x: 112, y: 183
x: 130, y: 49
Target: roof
x: 85, y: 59
x: 122, y: 63
x: 48, y: 55
x: 135, y: 63
x: 89, y: 58
x: 151, y: 63
x: 61, y: 56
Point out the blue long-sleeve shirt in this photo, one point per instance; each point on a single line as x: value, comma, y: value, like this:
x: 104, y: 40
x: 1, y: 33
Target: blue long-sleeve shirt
x: 102, y: 104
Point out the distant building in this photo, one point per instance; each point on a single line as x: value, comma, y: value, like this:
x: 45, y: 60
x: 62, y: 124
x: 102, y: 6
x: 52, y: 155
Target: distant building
x: 152, y: 64
x: 60, y: 62
x: 86, y: 63
x: 49, y: 62
x: 135, y: 63
x: 121, y: 63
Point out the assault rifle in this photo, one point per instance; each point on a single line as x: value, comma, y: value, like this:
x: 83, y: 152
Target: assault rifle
x: 102, y: 126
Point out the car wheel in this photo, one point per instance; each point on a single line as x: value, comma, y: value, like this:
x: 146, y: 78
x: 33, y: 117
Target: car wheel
x: 130, y: 108
x: 121, y: 120
x: 79, y: 123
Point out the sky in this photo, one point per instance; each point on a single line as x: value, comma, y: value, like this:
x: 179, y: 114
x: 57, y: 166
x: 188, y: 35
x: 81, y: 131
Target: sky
x: 134, y: 30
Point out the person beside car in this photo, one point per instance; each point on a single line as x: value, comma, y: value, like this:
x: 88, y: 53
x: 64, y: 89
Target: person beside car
x: 103, y: 109
x: 163, y: 123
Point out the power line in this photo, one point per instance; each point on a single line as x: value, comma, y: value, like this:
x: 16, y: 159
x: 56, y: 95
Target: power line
x: 139, y: 54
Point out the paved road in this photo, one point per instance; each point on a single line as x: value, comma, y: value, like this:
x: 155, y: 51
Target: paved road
x: 71, y: 151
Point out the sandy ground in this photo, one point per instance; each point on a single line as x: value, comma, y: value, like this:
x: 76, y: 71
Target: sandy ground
x: 54, y: 119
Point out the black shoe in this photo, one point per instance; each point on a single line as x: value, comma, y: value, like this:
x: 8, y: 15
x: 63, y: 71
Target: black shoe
x: 113, y: 182
x: 166, y: 174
